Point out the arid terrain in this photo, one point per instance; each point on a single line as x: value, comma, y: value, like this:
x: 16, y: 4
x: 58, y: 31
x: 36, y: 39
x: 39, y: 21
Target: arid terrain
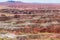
x: 27, y: 21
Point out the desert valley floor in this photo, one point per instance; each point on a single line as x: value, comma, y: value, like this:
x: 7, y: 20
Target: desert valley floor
x: 22, y: 21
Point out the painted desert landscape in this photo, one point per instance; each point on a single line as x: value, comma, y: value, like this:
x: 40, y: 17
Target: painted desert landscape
x: 29, y: 21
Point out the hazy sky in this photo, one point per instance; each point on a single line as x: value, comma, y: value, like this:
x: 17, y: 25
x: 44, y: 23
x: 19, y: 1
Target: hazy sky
x: 37, y: 1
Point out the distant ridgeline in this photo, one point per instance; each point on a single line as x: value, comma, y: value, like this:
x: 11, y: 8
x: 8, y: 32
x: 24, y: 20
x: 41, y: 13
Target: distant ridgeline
x: 10, y: 1
x: 17, y: 11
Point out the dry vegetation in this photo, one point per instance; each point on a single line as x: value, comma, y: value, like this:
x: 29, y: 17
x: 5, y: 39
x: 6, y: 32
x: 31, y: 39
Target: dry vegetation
x: 32, y: 24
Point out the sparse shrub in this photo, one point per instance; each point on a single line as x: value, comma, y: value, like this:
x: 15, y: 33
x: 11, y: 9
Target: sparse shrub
x: 16, y: 16
x: 4, y: 17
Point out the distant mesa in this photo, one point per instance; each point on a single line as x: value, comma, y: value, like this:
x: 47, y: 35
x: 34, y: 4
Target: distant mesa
x: 10, y: 1
x: 14, y: 1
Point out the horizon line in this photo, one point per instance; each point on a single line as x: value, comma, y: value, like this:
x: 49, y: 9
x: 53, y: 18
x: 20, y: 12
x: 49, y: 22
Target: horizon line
x: 32, y: 2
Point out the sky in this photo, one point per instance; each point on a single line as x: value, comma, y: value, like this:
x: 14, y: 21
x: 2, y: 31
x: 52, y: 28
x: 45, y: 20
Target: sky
x: 36, y: 1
